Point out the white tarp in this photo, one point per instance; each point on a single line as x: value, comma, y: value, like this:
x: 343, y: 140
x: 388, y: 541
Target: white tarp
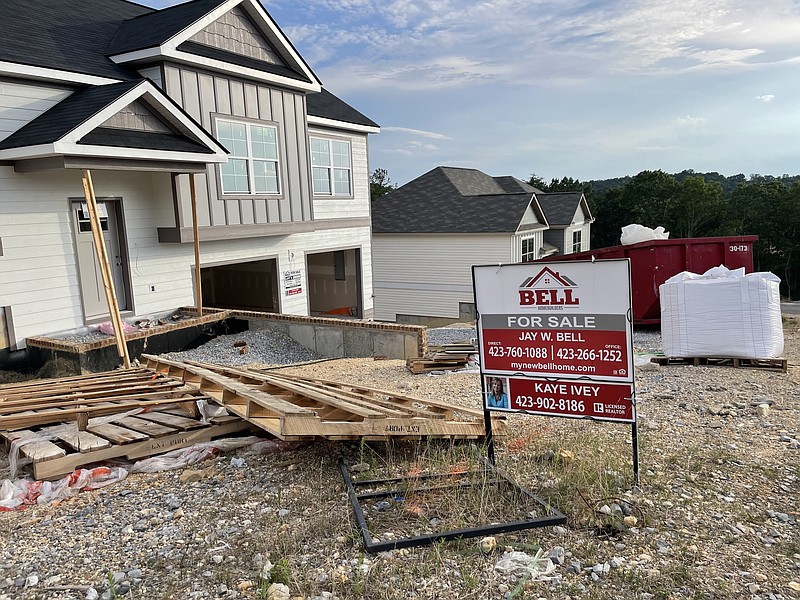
x: 721, y: 313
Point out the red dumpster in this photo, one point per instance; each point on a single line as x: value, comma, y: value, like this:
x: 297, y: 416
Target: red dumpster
x: 655, y: 261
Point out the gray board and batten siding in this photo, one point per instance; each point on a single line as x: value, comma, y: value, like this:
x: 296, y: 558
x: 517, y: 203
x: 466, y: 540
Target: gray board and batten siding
x: 205, y: 95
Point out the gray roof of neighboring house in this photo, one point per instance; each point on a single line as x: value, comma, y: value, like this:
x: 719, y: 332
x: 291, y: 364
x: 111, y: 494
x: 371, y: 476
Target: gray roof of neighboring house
x: 450, y: 200
x: 560, y: 207
x: 79, y: 35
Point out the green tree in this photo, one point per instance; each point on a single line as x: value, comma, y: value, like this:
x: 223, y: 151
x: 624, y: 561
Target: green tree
x: 380, y: 184
x: 696, y: 210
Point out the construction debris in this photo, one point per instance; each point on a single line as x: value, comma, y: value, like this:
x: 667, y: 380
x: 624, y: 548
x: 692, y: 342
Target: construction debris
x: 296, y: 408
x: 447, y: 357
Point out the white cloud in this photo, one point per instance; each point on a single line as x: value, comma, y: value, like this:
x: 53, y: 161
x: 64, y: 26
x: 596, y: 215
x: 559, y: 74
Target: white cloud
x: 417, y: 132
x: 766, y: 98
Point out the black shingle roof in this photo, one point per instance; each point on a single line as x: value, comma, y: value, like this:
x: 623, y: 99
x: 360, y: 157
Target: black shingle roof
x: 155, y: 28
x: 79, y: 35
x: 560, y: 208
x: 149, y: 140
x: 69, y: 35
x: 434, y: 203
x: 65, y: 116
x: 326, y: 105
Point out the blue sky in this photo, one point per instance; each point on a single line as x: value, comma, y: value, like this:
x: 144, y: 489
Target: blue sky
x: 590, y: 90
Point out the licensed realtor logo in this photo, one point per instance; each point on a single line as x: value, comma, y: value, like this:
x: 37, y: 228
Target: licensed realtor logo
x: 548, y: 288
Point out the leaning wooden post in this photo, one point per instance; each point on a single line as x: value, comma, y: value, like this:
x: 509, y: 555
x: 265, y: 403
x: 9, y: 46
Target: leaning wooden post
x: 105, y: 269
x: 198, y: 290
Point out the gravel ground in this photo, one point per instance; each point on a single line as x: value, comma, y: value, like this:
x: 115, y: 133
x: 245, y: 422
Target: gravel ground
x: 716, y: 514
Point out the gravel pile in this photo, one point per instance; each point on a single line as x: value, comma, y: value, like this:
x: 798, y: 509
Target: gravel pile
x: 450, y: 335
x: 264, y: 346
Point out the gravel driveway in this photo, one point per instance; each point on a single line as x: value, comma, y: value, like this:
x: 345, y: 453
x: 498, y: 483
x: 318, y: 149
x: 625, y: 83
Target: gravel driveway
x: 718, y: 507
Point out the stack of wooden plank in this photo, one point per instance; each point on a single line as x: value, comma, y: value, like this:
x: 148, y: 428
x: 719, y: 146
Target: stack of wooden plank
x: 132, y: 413
x: 297, y: 408
x: 446, y: 357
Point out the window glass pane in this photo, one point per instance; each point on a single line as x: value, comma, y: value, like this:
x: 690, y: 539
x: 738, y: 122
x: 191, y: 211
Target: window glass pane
x: 234, y: 177
x: 266, y: 177
x: 264, y: 142
x: 320, y: 181
x: 341, y: 181
x: 320, y: 153
x: 341, y: 154
x: 233, y: 136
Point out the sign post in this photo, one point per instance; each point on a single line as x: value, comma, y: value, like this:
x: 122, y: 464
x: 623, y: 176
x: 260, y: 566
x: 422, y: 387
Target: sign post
x: 556, y: 339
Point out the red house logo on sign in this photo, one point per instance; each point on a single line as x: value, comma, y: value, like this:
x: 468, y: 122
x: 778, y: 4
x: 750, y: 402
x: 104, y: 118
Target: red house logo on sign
x: 548, y: 288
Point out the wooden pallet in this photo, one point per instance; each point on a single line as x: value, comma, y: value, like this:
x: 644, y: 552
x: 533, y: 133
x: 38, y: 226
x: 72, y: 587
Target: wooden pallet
x: 426, y: 365
x: 131, y: 437
x: 297, y: 408
x: 768, y: 364
x: 46, y: 401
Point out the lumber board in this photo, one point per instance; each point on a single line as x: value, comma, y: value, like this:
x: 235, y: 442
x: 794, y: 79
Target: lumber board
x: 25, y: 386
x: 152, y: 429
x: 117, y: 434
x: 176, y: 421
x: 37, y: 449
x: 58, y: 467
x: 84, y: 441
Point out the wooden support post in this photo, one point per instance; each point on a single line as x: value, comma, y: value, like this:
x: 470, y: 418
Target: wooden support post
x: 198, y: 290
x: 105, y: 269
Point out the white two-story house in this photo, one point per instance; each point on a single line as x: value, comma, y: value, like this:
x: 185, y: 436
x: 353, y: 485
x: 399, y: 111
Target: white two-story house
x: 145, y: 100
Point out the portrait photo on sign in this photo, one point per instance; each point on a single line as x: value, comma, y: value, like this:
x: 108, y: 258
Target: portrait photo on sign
x: 496, y: 392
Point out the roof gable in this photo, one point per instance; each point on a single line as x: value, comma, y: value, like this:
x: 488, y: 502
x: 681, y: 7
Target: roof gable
x: 128, y: 116
x: 196, y: 32
x: 560, y: 208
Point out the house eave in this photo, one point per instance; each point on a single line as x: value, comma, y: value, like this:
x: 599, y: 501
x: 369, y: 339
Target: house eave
x: 335, y: 124
x: 10, y: 69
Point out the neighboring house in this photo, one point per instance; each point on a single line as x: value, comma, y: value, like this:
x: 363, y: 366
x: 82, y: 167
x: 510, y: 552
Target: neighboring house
x: 570, y: 221
x: 428, y: 233
x: 144, y: 98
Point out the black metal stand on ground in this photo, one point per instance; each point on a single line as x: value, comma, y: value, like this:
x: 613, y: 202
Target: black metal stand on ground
x: 553, y: 516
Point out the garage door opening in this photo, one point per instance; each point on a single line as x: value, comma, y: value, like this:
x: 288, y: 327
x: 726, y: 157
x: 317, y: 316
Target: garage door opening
x: 245, y: 286
x: 334, y: 283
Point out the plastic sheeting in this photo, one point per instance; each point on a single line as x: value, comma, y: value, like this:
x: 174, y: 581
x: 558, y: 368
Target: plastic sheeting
x: 21, y: 492
x: 721, y: 313
x: 635, y: 233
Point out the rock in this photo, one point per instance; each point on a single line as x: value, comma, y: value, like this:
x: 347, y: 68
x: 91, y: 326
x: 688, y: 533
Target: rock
x: 278, y: 591
x: 559, y: 530
x: 360, y: 468
x: 556, y: 555
x: 762, y: 410
x: 191, y: 476
x: 566, y: 455
x: 488, y: 544
x: 630, y: 521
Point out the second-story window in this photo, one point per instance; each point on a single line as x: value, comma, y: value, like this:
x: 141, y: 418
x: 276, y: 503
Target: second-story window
x: 330, y: 167
x: 576, y: 241
x: 252, y: 166
x: 529, y: 250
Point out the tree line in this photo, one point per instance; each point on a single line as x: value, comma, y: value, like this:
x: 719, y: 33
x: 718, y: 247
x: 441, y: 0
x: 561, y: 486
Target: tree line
x: 690, y: 204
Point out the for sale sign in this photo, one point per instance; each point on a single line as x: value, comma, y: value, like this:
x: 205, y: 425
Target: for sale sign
x: 558, y: 319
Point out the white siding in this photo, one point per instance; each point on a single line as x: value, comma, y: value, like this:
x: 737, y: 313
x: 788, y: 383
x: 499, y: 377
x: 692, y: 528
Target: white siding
x: 331, y: 207
x: 429, y: 275
x: 38, y: 269
x: 21, y: 103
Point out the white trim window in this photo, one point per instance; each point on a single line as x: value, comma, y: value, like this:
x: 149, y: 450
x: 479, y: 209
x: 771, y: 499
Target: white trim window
x: 576, y: 241
x: 331, y: 172
x: 529, y: 249
x: 252, y: 166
